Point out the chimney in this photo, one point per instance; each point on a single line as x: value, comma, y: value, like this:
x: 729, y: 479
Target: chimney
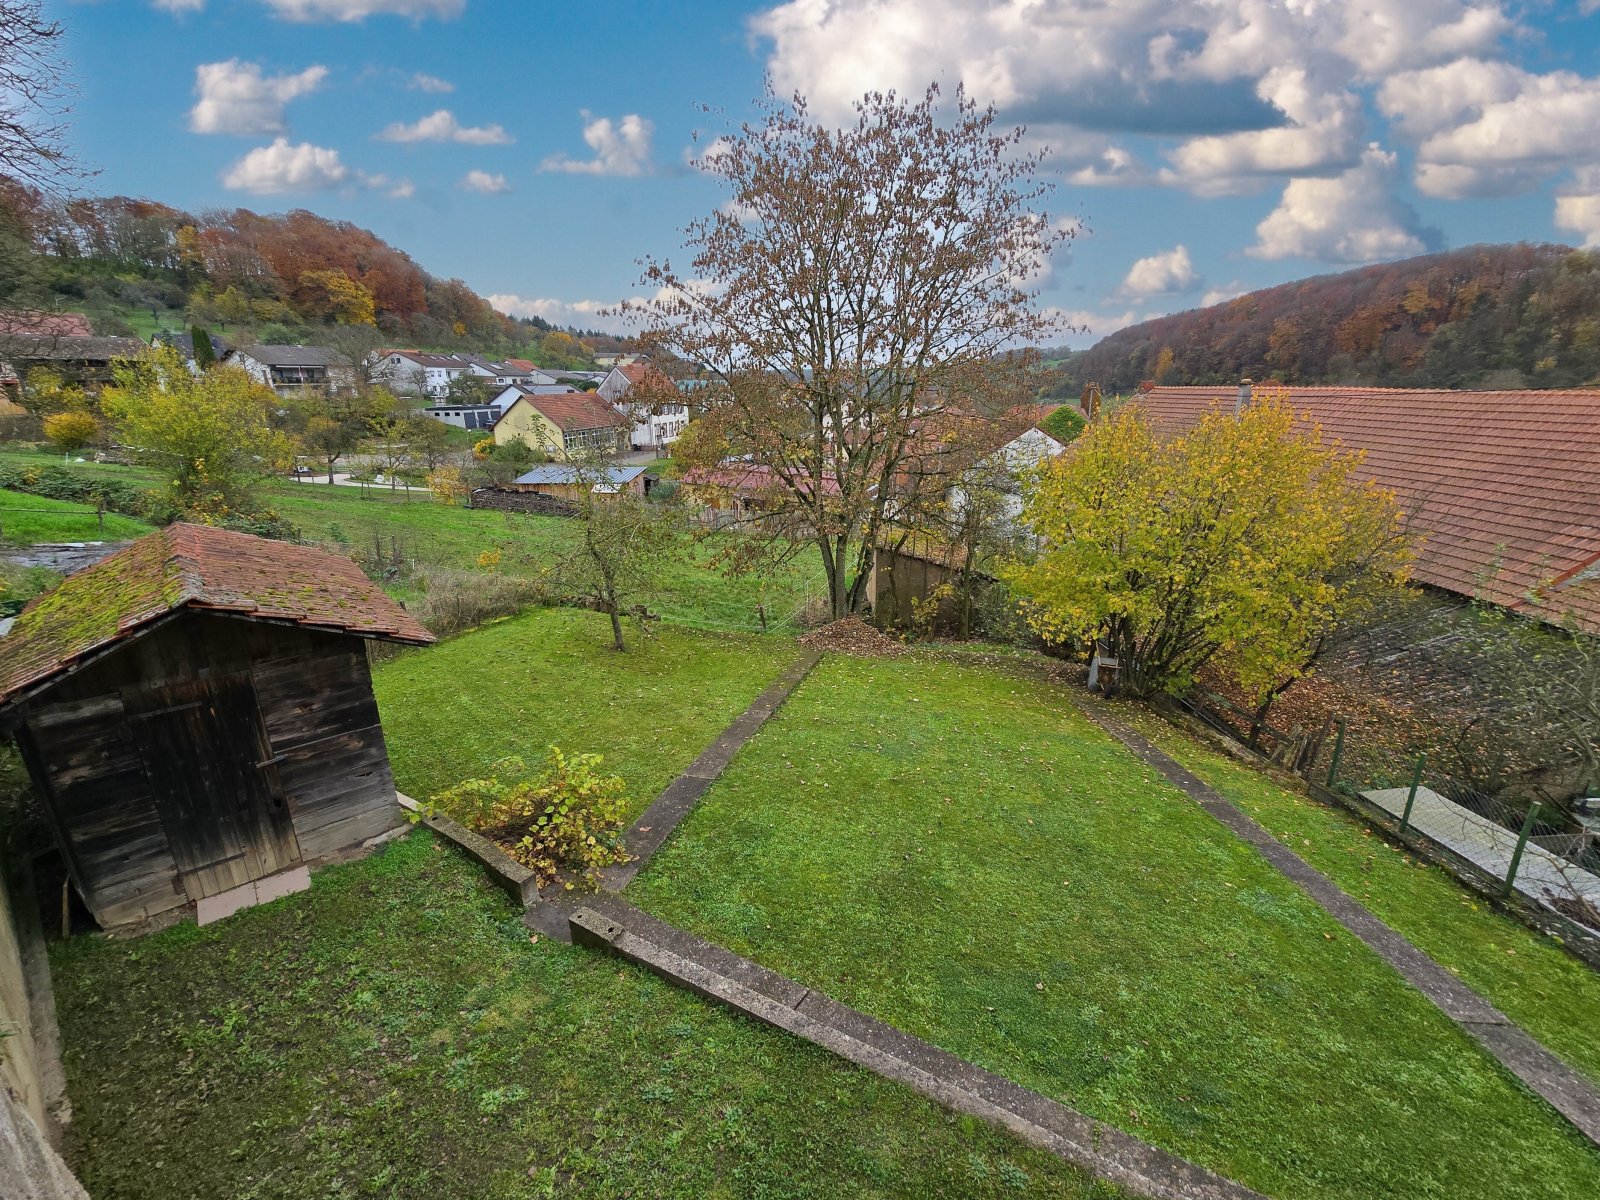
x: 1244, y: 396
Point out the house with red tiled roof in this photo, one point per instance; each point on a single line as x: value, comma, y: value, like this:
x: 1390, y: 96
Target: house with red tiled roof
x: 1503, y: 487
x: 658, y: 413
x: 563, y: 424
x: 197, y: 717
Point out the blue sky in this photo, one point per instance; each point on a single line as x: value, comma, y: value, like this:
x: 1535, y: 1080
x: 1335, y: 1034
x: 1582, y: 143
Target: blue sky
x: 537, y: 149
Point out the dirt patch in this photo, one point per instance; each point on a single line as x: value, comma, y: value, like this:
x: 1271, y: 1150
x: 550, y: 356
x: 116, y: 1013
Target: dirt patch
x: 852, y: 635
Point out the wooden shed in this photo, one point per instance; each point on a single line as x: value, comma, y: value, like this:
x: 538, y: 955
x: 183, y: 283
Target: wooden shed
x: 196, y: 713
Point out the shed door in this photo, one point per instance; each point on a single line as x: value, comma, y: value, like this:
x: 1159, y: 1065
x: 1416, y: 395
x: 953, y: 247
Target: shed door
x: 205, y: 754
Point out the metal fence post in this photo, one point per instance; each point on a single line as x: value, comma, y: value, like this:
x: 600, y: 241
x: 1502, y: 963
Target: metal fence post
x: 1522, y: 844
x: 1338, y: 753
x: 1411, y: 796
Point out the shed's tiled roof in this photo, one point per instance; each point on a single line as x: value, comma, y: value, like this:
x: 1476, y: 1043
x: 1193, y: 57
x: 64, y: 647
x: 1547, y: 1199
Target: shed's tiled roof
x: 1503, y: 486
x: 193, y: 566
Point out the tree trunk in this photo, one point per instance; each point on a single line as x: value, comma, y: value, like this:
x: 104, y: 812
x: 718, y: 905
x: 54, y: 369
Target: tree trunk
x: 616, y: 626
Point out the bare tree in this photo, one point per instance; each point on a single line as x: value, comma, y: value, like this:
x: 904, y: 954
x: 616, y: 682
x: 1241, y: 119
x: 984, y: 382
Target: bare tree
x: 33, y: 107
x: 858, y: 281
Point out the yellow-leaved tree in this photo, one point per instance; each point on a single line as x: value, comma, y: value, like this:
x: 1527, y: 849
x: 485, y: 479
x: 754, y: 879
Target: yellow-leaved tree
x: 1243, y: 541
x: 211, y: 435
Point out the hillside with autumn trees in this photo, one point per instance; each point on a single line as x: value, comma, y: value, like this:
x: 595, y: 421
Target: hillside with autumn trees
x: 136, y: 265
x: 1513, y: 316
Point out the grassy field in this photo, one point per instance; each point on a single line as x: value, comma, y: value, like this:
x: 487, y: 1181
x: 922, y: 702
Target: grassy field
x: 393, y: 1033
x: 28, y: 520
x: 551, y: 677
x: 1529, y: 977
x: 956, y: 851
x: 425, y: 534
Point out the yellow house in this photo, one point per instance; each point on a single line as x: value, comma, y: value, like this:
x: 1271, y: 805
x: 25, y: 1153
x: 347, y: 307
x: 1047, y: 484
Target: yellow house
x: 563, y: 423
x: 523, y: 420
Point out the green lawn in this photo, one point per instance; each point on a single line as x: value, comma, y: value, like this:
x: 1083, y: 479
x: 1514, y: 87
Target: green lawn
x: 955, y: 850
x: 694, y: 593
x: 550, y: 676
x: 1528, y: 976
x: 27, y: 520
x: 393, y: 1033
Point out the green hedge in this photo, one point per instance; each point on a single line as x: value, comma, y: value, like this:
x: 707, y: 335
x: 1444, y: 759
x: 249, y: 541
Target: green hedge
x: 63, y: 483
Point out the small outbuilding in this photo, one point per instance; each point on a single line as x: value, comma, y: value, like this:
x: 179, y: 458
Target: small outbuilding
x: 196, y: 713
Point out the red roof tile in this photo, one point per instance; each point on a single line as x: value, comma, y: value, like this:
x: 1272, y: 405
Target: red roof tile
x: 193, y: 566
x: 1504, y: 486
x: 576, y: 410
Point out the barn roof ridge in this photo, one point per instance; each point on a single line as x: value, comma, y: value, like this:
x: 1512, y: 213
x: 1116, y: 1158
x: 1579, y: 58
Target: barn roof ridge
x: 200, y: 567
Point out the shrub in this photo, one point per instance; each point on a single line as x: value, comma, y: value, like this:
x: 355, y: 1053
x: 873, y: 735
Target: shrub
x: 62, y: 483
x: 569, y: 815
x: 454, y: 601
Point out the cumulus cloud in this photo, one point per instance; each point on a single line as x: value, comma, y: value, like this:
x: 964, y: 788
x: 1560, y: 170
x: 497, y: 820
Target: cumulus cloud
x: 236, y: 97
x: 1354, y: 217
x: 360, y: 10
x: 1578, y: 206
x: 620, y: 148
x: 179, y: 6
x: 1258, y: 88
x: 1165, y: 274
x: 1219, y: 295
x: 583, y: 314
x: 422, y: 82
x: 281, y: 167
x: 482, y: 181
x: 442, y: 126
x: 403, y: 190
x: 1114, y: 166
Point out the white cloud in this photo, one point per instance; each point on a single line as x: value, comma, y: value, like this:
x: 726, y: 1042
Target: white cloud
x: 421, y: 82
x: 620, y: 148
x: 442, y: 126
x: 280, y: 167
x: 584, y: 314
x: 403, y: 190
x: 1113, y: 167
x: 1165, y: 274
x: 1219, y: 295
x: 1578, y: 205
x: 1090, y: 326
x: 179, y: 6
x: 1352, y: 218
x: 360, y: 10
x: 482, y: 181
x: 235, y: 97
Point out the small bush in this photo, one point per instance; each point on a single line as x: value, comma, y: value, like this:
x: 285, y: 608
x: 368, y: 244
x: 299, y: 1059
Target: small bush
x: 569, y: 815
x: 1064, y: 424
x: 454, y: 601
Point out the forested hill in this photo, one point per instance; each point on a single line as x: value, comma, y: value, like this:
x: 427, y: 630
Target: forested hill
x: 134, y: 264
x: 1484, y: 316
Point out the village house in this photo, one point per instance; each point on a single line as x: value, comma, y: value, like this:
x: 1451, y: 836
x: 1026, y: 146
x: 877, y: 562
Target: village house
x: 656, y: 423
x: 196, y: 714
x: 563, y: 425
x: 1503, y: 487
x: 183, y: 343
x: 292, y: 370
x: 61, y: 342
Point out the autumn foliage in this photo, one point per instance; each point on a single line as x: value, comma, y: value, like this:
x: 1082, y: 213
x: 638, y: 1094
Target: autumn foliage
x: 1240, y: 543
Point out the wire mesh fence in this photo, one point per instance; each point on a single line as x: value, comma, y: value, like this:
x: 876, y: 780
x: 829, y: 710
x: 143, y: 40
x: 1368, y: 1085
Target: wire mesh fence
x: 1506, y: 846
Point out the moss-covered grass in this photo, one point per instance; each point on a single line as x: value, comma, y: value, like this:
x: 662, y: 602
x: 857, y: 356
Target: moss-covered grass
x: 957, y: 851
x: 393, y: 1033
x: 28, y: 520
x: 1528, y: 976
x: 549, y: 677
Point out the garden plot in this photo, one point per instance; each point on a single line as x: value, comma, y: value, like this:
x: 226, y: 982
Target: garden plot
x: 953, y: 850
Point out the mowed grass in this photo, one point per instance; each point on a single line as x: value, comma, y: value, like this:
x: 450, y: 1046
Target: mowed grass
x: 27, y: 520
x: 1527, y: 975
x: 957, y: 851
x: 551, y: 677
x: 394, y: 1033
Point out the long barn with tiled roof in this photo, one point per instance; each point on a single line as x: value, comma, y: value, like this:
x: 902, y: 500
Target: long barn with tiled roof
x: 1503, y: 486
x: 197, y: 717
